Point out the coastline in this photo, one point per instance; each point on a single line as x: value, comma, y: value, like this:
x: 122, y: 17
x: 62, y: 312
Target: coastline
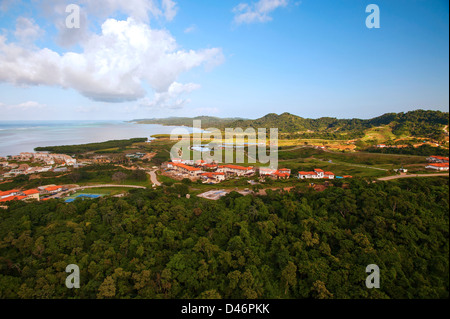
x: 25, y: 136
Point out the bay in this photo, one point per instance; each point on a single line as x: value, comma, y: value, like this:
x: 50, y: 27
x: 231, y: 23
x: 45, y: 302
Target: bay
x: 24, y: 136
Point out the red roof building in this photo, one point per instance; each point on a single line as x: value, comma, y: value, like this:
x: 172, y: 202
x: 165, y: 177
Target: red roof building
x: 53, y: 188
x: 236, y: 170
x: 317, y: 174
x: 30, y: 192
x: 11, y: 198
x: 8, y: 193
x: 186, y: 169
x: 438, y: 166
x: 438, y: 159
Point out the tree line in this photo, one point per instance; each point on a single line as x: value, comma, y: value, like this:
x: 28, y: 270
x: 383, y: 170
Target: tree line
x: 299, y: 244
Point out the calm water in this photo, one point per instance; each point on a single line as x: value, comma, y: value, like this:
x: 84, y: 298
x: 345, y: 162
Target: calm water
x: 24, y: 136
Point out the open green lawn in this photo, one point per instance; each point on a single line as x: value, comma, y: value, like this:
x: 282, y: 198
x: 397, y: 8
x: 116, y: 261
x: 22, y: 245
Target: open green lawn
x: 101, y: 191
x: 381, y: 134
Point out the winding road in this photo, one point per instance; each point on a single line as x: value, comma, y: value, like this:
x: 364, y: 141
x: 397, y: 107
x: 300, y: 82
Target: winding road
x: 153, y: 178
x: 388, y: 178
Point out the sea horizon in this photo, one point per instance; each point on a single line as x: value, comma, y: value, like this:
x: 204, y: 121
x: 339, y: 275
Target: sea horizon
x: 25, y: 136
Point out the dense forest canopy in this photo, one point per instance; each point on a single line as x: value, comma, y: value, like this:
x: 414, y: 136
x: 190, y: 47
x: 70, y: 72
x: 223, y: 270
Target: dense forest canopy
x: 83, y: 148
x: 415, y: 123
x: 302, y: 244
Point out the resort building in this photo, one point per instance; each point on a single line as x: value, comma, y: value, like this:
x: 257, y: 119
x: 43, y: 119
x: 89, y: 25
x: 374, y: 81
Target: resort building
x: 182, y: 161
x: 31, y: 194
x: 185, y: 169
x: 281, y: 173
x: 438, y: 166
x: 51, y: 189
x: 10, y: 193
x: 11, y: 198
x: 212, y: 177
x: 317, y: 174
x: 19, y: 195
x: 236, y: 170
x: 437, y: 159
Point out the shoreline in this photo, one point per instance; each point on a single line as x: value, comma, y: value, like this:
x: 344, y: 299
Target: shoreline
x: 25, y: 136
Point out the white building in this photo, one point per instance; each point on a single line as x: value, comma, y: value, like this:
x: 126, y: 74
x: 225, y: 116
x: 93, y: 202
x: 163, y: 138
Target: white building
x: 316, y: 174
x: 438, y: 166
x: 236, y: 170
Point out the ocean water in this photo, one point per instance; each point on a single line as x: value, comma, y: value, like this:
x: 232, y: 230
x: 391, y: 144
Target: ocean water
x: 24, y: 136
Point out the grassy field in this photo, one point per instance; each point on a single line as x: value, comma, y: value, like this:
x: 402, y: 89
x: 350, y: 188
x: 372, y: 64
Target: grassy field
x: 301, y: 157
x: 381, y: 134
x: 104, y: 191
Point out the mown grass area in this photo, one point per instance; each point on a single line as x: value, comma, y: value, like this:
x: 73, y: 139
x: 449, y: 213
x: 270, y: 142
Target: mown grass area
x: 354, y: 158
x: 381, y: 134
x: 105, y: 191
x: 166, y: 179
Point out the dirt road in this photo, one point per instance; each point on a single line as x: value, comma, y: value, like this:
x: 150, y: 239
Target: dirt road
x: 388, y: 178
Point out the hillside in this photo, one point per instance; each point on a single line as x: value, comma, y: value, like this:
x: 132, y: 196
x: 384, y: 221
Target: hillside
x: 187, y: 121
x: 420, y: 123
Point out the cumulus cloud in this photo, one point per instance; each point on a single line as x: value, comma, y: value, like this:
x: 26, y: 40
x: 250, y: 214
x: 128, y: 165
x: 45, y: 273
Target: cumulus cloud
x: 173, y: 98
x: 257, y: 11
x: 114, y: 66
x: 170, y: 9
x: 139, y: 10
x: 27, y: 31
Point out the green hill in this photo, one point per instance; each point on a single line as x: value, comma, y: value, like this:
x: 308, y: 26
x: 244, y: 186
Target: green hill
x: 419, y: 123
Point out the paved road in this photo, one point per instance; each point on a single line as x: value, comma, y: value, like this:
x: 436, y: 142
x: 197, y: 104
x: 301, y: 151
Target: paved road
x: 153, y: 178
x: 388, y: 178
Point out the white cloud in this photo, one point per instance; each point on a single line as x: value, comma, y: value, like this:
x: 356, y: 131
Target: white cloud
x: 98, y: 11
x: 190, y: 29
x: 139, y: 10
x: 257, y: 11
x: 25, y: 106
x: 113, y: 66
x: 27, y: 31
x: 170, y: 9
x: 173, y: 98
x: 5, y: 4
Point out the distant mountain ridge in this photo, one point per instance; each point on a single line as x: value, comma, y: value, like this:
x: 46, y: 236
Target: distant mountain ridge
x: 422, y: 123
x: 187, y: 121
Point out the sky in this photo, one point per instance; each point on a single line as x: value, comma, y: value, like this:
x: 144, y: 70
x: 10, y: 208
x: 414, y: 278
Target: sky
x: 139, y: 59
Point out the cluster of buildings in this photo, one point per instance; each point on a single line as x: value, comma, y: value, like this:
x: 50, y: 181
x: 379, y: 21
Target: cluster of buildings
x: 438, y: 163
x: 208, y: 172
x: 214, y: 173
x: 15, y: 169
x: 316, y: 174
x: 282, y: 173
x: 22, y: 169
x: 47, y: 158
x: 30, y: 194
x: 137, y: 155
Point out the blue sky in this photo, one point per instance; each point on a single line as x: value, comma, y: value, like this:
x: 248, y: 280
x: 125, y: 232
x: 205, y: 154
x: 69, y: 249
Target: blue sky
x: 158, y: 58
